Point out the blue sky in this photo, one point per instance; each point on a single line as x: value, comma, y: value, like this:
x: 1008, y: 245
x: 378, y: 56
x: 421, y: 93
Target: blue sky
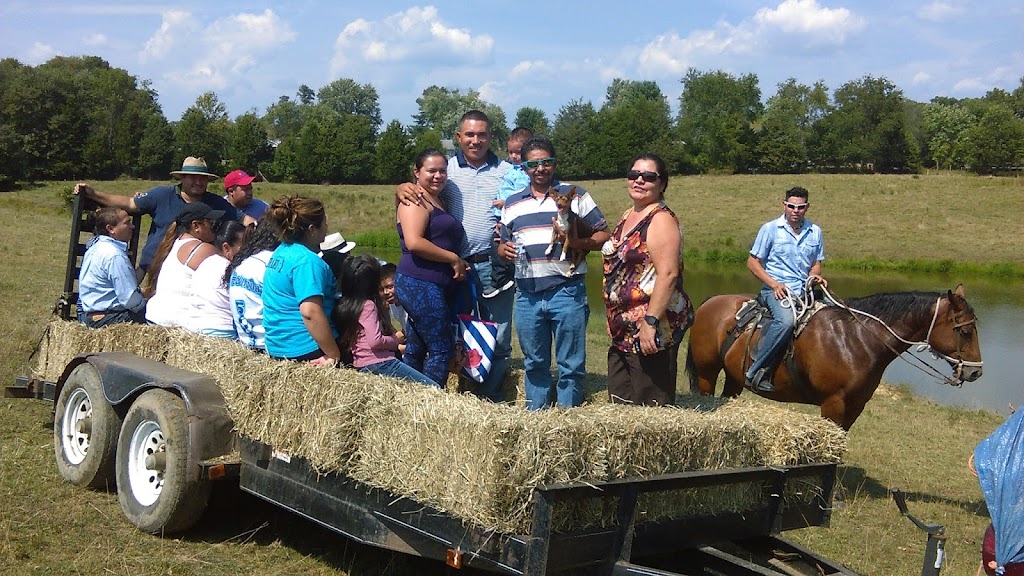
x: 523, y: 53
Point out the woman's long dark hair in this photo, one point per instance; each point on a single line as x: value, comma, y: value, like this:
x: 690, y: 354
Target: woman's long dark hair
x: 263, y: 237
x: 148, y: 286
x: 359, y: 282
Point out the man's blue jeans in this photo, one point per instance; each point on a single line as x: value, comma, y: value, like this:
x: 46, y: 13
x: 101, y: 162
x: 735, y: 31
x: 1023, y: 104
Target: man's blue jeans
x: 398, y: 369
x: 559, y: 314
x: 776, y: 334
x: 499, y: 311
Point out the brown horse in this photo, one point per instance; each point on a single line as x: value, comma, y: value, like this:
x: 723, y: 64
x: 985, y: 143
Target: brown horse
x: 840, y: 356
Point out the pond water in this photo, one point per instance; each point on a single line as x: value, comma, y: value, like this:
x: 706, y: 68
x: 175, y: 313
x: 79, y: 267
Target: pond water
x: 999, y: 306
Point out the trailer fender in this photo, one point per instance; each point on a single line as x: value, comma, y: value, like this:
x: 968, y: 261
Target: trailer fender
x: 124, y: 376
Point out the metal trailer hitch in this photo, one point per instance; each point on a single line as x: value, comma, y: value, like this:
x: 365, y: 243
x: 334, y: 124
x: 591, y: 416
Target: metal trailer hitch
x: 935, y: 547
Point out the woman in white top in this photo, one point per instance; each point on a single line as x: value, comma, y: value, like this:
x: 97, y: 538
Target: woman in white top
x: 244, y: 276
x: 182, y: 249
x: 211, y: 310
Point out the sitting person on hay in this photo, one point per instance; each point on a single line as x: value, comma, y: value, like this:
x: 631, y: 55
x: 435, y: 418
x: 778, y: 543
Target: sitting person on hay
x: 108, y: 291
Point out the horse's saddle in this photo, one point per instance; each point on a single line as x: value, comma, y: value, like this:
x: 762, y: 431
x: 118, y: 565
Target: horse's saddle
x: 753, y: 315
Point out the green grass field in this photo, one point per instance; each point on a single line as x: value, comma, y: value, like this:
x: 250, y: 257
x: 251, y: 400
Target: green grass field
x: 50, y: 527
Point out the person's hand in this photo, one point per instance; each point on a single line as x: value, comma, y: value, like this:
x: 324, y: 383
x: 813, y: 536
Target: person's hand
x: 83, y: 188
x: 498, y: 203
x: 779, y: 289
x: 410, y: 194
x: 401, y: 348
x: 325, y: 361
x: 400, y: 336
x: 507, y: 250
x: 816, y: 279
x: 646, y: 335
x: 459, y: 267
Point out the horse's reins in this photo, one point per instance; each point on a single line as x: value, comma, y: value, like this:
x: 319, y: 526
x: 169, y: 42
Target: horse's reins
x: 921, y: 345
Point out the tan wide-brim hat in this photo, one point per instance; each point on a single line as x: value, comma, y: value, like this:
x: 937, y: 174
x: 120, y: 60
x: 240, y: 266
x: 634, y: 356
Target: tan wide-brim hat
x: 194, y: 166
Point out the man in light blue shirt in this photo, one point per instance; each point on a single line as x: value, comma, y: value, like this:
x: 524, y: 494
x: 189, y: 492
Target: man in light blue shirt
x: 787, y: 252
x: 108, y: 292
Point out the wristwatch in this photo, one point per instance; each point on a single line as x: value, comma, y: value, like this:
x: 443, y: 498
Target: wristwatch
x: 651, y: 320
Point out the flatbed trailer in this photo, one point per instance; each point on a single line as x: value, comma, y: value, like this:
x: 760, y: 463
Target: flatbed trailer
x: 187, y: 442
x: 160, y: 436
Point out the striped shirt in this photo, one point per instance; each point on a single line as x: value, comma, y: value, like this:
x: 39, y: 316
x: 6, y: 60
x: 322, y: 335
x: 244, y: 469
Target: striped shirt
x: 528, y: 220
x: 468, y: 196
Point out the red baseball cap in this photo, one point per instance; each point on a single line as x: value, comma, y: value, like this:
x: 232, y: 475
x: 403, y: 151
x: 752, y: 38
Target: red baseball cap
x: 237, y: 178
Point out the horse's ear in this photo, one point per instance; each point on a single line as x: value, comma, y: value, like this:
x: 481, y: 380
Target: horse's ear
x: 959, y: 291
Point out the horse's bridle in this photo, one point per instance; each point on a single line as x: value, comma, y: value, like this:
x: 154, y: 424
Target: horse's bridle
x: 958, y: 362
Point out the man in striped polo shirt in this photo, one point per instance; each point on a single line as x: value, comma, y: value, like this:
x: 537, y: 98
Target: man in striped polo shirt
x: 474, y: 175
x: 551, y: 303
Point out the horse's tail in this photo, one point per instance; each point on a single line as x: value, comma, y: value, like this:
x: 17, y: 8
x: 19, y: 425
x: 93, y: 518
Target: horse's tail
x: 691, y: 367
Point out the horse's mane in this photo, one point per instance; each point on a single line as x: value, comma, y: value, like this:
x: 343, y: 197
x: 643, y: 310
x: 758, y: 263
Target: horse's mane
x: 889, y: 307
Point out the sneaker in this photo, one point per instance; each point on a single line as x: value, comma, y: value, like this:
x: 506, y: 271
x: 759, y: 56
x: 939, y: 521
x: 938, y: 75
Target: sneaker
x: 493, y: 291
x: 760, y: 382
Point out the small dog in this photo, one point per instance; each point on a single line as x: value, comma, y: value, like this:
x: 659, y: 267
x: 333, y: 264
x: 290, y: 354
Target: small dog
x: 573, y: 226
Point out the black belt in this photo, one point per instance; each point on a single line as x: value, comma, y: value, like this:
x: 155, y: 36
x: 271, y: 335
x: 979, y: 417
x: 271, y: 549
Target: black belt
x: 478, y: 258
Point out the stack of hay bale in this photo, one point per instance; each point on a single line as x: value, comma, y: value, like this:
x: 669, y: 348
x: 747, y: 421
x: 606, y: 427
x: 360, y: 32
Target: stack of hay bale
x: 472, y: 459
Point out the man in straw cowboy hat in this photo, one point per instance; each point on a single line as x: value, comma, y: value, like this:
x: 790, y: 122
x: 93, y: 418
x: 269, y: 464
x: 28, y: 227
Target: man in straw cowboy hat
x: 164, y: 203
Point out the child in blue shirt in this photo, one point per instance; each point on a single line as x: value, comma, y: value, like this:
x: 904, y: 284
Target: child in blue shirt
x: 503, y: 271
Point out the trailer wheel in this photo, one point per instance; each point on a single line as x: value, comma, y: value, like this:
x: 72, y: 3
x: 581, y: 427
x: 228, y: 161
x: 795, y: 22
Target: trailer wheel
x: 152, y: 481
x: 85, y: 431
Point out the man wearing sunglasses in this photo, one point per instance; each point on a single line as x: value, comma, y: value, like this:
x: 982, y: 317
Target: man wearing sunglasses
x: 787, y: 252
x: 551, y: 303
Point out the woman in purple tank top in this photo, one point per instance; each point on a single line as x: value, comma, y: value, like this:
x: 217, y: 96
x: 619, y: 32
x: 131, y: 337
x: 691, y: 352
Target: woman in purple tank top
x: 429, y: 270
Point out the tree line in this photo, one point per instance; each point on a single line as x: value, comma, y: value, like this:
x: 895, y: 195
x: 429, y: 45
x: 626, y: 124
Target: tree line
x: 78, y: 118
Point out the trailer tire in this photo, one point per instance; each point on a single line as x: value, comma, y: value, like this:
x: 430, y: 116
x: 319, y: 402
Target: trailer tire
x: 153, y: 487
x: 85, y: 431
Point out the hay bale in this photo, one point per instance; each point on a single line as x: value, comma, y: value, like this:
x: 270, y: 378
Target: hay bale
x: 470, y: 458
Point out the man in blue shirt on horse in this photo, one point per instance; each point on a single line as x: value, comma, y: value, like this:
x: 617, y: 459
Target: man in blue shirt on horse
x: 787, y: 252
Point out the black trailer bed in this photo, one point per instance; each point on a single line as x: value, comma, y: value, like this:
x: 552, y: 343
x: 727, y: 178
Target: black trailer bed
x: 725, y: 543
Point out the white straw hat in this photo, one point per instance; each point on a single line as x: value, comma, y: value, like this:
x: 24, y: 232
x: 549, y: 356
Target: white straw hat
x: 337, y: 243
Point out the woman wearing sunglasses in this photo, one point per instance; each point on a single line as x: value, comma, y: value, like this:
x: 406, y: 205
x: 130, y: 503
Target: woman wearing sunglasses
x: 647, y: 309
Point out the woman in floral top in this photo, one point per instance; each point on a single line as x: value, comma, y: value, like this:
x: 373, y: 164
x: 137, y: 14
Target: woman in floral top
x: 647, y: 309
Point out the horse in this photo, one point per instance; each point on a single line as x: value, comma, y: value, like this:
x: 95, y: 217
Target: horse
x: 839, y: 356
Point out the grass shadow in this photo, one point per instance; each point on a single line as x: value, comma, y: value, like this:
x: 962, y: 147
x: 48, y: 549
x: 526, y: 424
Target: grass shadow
x: 854, y: 480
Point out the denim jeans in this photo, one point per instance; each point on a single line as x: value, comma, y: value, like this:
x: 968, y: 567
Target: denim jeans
x: 499, y: 311
x: 429, y: 339
x: 558, y: 316
x: 123, y: 317
x: 398, y: 369
x: 776, y: 334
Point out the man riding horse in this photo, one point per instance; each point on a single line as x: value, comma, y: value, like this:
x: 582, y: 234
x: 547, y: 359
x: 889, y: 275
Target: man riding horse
x: 786, y: 253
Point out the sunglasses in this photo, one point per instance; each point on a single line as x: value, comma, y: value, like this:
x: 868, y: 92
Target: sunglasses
x: 532, y: 164
x: 796, y: 206
x: 646, y: 175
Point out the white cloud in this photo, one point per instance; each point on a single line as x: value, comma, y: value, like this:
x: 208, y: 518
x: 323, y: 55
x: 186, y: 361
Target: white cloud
x: 492, y: 91
x: 1001, y: 76
x: 412, y: 36
x: 528, y: 68
x: 920, y: 78
x: 672, y: 55
x: 95, y: 40
x: 40, y: 53
x: 174, y: 24
x: 221, y: 54
x: 803, y: 21
x: 940, y: 11
x: 971, y: 86
x: 807, y: 18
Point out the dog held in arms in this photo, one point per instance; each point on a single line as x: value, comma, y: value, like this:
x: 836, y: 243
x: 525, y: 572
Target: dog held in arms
x: 570, y: 223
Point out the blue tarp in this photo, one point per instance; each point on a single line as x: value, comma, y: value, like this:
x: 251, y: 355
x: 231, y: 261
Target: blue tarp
x: 999, y: 460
